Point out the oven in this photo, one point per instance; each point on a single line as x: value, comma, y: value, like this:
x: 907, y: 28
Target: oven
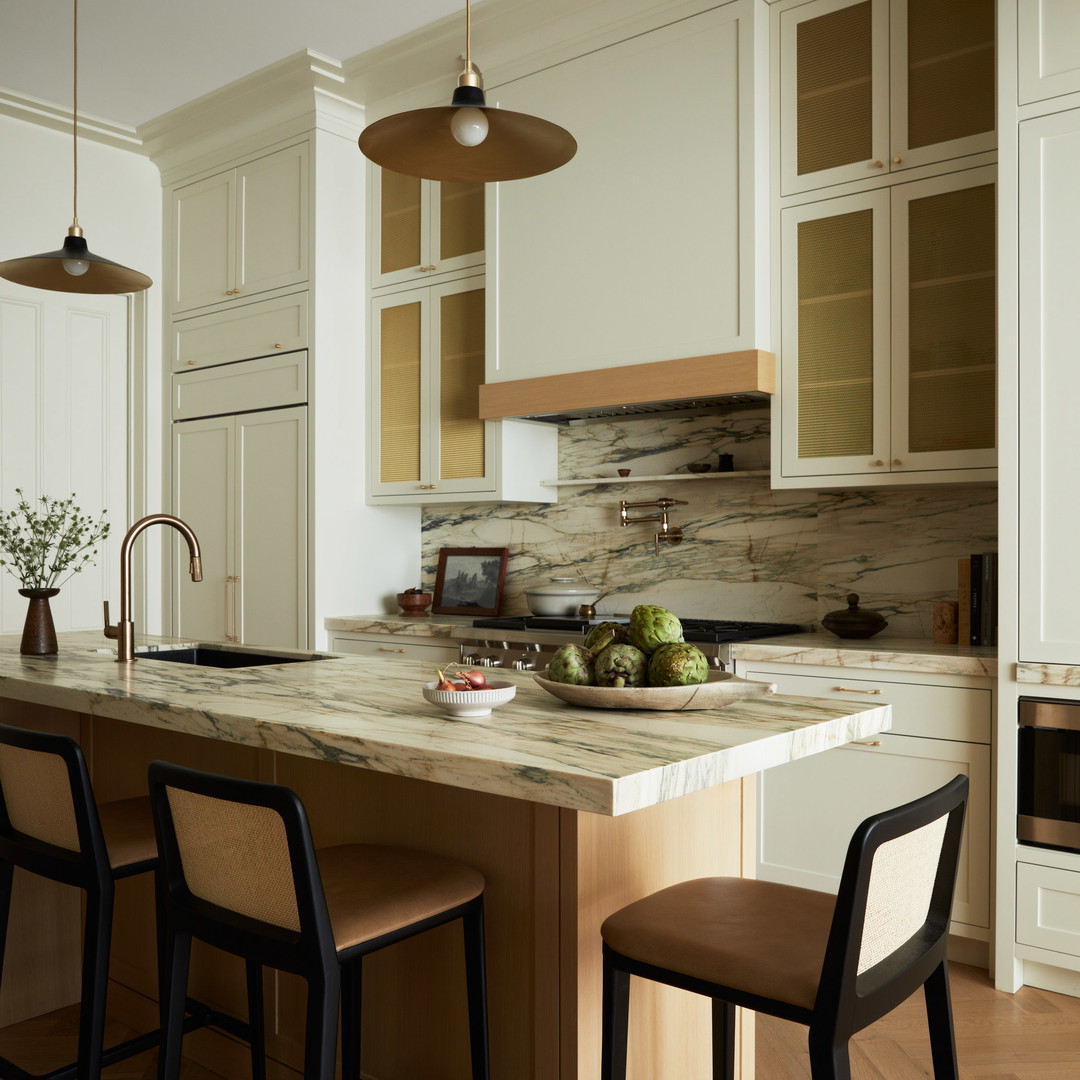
x: 1048, y: 795
x: 526, y: 643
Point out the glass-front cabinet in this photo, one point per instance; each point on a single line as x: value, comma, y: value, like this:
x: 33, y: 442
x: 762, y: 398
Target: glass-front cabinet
x: 875, y: 86
x: 888, y: 347
x: 424, y: 229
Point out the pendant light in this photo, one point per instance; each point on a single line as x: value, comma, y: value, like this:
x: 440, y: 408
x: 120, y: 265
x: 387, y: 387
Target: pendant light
x: 466, y: 140
x: 74, y: 268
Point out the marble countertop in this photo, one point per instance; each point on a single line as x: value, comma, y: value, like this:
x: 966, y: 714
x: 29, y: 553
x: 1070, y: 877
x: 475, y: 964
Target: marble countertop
x: 883, y: 652
x: 368, y: 712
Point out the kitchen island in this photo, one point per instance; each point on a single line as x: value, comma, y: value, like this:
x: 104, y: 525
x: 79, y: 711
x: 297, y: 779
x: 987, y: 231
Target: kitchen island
x: 568, y: 812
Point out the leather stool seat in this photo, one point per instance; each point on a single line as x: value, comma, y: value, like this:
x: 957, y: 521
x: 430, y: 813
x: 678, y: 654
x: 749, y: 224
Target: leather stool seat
x: 128, y: 826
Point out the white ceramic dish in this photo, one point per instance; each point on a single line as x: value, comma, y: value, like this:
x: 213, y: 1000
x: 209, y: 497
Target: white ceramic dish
x: 470, y: 702
x: 720, y: 689
x: 559, y: 596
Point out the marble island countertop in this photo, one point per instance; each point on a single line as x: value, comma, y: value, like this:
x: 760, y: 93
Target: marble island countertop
x: 368, y: 712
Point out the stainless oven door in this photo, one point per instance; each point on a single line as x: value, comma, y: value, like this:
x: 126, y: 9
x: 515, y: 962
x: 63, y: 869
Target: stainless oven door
x: 1048, y: 795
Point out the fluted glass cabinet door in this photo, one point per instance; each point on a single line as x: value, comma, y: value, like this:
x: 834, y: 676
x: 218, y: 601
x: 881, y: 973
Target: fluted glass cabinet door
x: 835, y: 338
x: 834, y: 93
x: 399, y: 348
x: 944, y: 319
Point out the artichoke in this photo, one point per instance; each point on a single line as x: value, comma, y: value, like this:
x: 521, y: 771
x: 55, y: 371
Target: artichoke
x: 600, y: 630
x: 573, y: 663
x: 621, y: 665
x: 678, y: 664
x: 652, y: 626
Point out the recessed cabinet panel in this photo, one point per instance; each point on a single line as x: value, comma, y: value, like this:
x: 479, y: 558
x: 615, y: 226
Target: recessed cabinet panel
x: 1049, y: 48
x: 461, y: 371
x: 205, y: 242
x: 461, y: 219
x: 400, y: 356
x: 401, y: 219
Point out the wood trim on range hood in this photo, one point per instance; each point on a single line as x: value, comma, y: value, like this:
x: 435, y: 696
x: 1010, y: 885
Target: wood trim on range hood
x: 697, y: 382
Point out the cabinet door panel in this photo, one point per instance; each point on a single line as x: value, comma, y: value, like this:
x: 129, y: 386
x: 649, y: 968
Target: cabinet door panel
x: 1049, y: 49
x: 834, y: 405
x: 273, y: 221
x: 809, y: 809
x: 271, y: 540
x: 203, y: 497
x: 204, y: 242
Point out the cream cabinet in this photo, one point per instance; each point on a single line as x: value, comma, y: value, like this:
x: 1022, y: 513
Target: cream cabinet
x: 1048, y: 49
x: 1049, y: 517
x: 427, y: 443
x: 241, y: 232
x: 873, y: 86
x: 888, y: 347
x: 391, y: 645
x: 423, y: 229
x: 809, y: 808
x: 240, y: 481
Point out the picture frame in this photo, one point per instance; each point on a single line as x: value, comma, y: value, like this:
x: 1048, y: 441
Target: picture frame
x: 470, y: 581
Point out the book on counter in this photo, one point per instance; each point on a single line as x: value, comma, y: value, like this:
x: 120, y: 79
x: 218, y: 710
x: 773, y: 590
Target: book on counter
x: 977, y: 595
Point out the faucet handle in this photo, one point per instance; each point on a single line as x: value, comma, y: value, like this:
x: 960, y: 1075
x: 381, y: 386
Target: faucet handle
x: 111, y: 631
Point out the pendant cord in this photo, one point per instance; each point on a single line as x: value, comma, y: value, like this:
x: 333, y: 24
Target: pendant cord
x: 468, y: 35
x: 75, y: 116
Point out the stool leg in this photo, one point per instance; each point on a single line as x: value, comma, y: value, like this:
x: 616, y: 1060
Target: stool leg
x: 320, y: 1042
x: 97, y: 935
x: 616, y: 1015
x: 476, y: 982
x: 829, y: 1058
x: 940, y: 1021
x: 256, y: 1023
x: 352, y: 985
x: 174, y: 959
x: 723, y: 1039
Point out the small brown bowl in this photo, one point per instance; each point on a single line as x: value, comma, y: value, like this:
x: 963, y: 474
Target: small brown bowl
x: 699, y: 467
x: 413, y: 604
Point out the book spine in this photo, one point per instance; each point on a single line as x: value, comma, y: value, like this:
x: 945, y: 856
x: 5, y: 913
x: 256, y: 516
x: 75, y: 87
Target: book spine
x: 963, y: 595
x: 989, y: 591
x: 976, y: 600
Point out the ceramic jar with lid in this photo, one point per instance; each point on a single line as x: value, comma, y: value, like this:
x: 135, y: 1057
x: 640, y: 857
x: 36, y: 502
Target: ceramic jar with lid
x: 561, y: 596
x: 854, y: 621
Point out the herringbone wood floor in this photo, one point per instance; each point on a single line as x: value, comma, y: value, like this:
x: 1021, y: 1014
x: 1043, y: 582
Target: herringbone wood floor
x: 1032, y: 1035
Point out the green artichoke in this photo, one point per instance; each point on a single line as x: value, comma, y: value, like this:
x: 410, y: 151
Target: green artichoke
x: 573, y: 663
x: 600, y: 630
x: 678, y: 664
x: 652, y: 626
x: 621, y: 665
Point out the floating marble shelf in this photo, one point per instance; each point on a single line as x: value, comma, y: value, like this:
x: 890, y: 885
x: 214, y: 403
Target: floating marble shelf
x: 646, y: 479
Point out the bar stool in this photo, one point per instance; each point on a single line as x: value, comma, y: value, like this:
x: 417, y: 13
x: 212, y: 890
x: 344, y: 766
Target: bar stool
x: 240, y: 871
x: 51, y: 826
x: 836, y: 964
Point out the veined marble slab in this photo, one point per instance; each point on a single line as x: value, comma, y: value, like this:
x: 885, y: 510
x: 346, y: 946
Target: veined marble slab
x: 438, y: 626
x: 1048, y: 674
x: 895, y: 654
x: 369, y: 712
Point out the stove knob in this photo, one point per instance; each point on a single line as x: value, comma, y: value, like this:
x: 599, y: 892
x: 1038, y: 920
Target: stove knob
x: 490, y: 661
x: 468, y: 658
x: 523, y: 663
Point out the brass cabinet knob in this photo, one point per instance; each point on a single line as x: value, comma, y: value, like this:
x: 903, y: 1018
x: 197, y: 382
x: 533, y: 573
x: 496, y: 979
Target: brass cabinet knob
x: 897, y: 461
x: 278, y: 345
x: 878, y: 462
x: 879, y: 164
x: 422, y: 269
x: 190, y: 363
x: 431, y: 267
x: 896, y: 160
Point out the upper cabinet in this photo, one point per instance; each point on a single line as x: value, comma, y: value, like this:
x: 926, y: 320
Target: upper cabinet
x: 644, y: 246
x: 241, y: 232
x: 1048, y: 49
x: 888, y: 335
x: 423, y: 229
x: 869, y: 87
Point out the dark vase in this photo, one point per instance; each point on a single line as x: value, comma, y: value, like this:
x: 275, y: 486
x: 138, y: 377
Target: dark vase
x: 39, y: 634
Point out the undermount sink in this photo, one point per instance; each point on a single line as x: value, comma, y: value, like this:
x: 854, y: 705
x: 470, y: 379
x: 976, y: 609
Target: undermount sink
x: 209, y: 656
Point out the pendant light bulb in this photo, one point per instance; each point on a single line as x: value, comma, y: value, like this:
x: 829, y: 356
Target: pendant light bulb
x: 469, y: 126
x: 75, y: 267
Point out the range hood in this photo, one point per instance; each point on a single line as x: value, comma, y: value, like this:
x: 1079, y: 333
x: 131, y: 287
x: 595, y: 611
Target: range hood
x: 695, y: 384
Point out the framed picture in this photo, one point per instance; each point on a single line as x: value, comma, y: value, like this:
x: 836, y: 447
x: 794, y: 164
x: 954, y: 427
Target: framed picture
x: 470, y: 581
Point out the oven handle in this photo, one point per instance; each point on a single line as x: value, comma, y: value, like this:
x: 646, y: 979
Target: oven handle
x: 1055, y: 715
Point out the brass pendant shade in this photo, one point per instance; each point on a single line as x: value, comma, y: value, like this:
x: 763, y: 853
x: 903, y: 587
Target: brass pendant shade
x: 503, y: 145
x: 74, y: 268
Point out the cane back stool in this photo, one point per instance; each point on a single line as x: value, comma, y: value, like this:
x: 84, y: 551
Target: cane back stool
x: 836, y: 964
x: 241, y: 872
x: 51, y: 826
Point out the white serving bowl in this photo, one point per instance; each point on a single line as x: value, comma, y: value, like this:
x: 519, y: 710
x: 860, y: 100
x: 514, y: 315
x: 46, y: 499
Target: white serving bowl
x: 470, y: 702
x: 559, y: 596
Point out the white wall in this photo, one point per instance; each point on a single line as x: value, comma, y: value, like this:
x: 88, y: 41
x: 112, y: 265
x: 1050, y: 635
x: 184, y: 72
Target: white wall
x: 120, y: 211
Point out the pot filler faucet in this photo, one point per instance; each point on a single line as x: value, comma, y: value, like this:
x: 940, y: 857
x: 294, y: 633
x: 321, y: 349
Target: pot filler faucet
x: 124, y: 630
x: 667, y: 534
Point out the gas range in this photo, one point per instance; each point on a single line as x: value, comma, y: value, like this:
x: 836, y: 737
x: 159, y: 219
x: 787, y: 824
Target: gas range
x: 526, y: 642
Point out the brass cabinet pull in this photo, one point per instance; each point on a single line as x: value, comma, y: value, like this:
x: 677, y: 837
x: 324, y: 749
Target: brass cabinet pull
x: 877, y: 742
x: 878, y: 462
x: 278, y: 345
x: 190, y: 363
x: 383, y: 648
x: 879, y: 164
x: 896, y: 160
x: 425, y: 487
x: 432, y: 267
x: 422, y: 269
x: 897, y: 461
x: 230, y: 608
x: 850, y: 690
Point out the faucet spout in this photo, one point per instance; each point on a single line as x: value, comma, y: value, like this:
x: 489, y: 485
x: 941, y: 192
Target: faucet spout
x: 124, y: 630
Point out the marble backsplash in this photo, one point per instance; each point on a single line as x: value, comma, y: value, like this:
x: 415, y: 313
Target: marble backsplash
x: 749, y: 552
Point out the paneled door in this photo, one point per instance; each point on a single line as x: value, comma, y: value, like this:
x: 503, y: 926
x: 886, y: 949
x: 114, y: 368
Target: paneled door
x: 63, y: 429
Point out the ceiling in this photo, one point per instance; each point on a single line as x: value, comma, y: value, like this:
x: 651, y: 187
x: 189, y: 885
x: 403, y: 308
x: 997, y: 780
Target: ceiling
x: 141, y: 58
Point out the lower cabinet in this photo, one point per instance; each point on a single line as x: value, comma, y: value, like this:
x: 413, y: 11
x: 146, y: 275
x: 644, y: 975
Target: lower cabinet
x: 392, y: 645
x: 240, y: 481
x: 808, y: 809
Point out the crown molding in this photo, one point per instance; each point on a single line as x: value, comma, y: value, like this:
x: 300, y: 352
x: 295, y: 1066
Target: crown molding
x: 59, y: 118
x: 301, y: 92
